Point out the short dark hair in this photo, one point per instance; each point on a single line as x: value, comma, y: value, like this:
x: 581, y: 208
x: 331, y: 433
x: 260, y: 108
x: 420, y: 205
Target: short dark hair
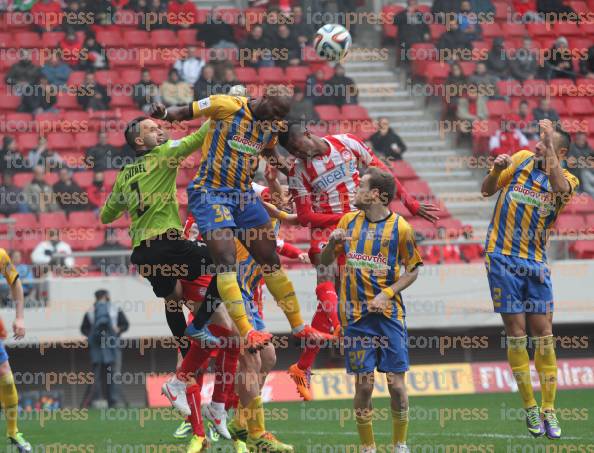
x: 133, y: 130
x: 383, y: 181
x: 101, y: 293
x: 291, y: 128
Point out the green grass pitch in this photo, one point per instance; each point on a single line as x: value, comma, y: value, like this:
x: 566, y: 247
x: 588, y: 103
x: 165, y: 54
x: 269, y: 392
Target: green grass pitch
x: 458, y: 423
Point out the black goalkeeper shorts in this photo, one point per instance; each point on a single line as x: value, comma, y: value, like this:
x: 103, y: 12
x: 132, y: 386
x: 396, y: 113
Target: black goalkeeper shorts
x: 169, y: 257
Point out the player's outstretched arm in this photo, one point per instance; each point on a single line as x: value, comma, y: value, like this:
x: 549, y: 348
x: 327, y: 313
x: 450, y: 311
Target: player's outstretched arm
x: 491, y: 181
x: 182, y: 148
x: 559, y: 183
x: 114, y: 206
x: 175, y: 113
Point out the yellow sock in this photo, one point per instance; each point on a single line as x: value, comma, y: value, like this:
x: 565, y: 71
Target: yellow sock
x: 365, y: 428
x: 545, y: 362
x: 519, y: 361
x: 282, y: 290
x: 231, y: 296
x: 255, y: 418
x: 10, y: 400
x: 239, y: 416
x: 399, y: 426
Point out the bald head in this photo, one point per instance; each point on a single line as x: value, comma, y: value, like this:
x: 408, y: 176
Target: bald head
x: 274, y: 105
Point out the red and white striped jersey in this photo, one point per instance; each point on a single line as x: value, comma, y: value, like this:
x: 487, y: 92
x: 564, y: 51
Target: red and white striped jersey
x: 330, y: 180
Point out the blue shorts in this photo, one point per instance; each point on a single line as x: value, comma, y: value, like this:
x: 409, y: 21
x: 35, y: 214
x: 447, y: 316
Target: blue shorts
x: 3, y: 353
x: 376, y: 342
x: 519, y: 285
x: 214, y: 209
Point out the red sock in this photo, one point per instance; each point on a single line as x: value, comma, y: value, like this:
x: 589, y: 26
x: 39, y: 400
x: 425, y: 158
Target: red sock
x: 225, y: 368
x: 195, y: 359
x: 193, y: 395
x: 324, y: 320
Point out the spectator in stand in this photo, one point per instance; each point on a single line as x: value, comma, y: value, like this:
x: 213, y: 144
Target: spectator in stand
x: 126, y: 156
x: 56, y: 71
x: 498, y: 61
x: 545, y: 111
x: 92, y: 95
x: 102, y: 10
x: 206, y: 84
x: 453, y: 42
x: 456, y: 85
x: 174, y: 91
x: 260, y: 53
x: 45, y: 253
x: 587, y: 64
x: 524, y: 65
x: 412, y: 29
x: 96, y: 57
x: 486, y: 83
x: 71, y: 46
x: 12, y: 199
x: 44, y: 157
x: 69, y: 195
x: 386, y: 143
x: 525, y: 8
x: 580, y: 156
x: 300, y: 27
x: 341, y: 90
x: 24, y: 72
x: 302, y: 108
x: 486, y: 7
x: 46, y: 14
x: 39, y: 98
x: 185, y: 11
x: 314, y: 88
x: 507, y: 139
x: 216, y: 32
x: 73, y: 10
x: 471, y: 108
x: 273, y: 17
x: 39, y: 194
x: 559, y: 64
x: 156, y: 8
x: 102, y: 156
x: 111, y: 265
x: 553, y: 6
x: 18, y: 5
x: 11, y: 160
x: 525, y: 121
x: 471, y: 253
x: 287, y: 46
x: 229, y: 80
x: 146, y: 92
x: 441, y: 8
x: 189, y: 66
x: 97, y: 192
x: 468, y: 21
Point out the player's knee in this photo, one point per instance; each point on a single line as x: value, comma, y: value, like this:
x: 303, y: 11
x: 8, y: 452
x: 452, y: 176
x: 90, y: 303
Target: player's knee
x: 268, y: 358
x: 363, y: 387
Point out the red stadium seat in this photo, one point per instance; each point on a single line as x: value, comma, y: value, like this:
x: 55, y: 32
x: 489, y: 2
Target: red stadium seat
x: 107, y: 77
x: 354, y: 112
x: 27, y: 142
x: 297, y: 74
x: 53, y: 220
x: 122, y: 102
x: 509, y: 88
x: 9, y: 102
x: 22, y: 179
x: 491, y: 30
x: 6, y: 40
x: 21, y: 118
x: 110, y: 177
x: 83, y: 179
x: 130, y: 76
x: 511, y: 29
x: 271, y: 75
x: 566, y: 29
x: 590, y: 125
x: 109, y: 38
x: 51, y: 39
x: 247, y: 75
x: 588, y: 27
x: 579, y: 6
x: 121, y: 222
x: 580, y: 106
x: 187, y: 37
x: 389, y: 31
x: 28, y: 39
x: 24, y: 220
x: 468, y: 67
x: 436, y: 30
x: 538, y: 29
x: 498, y: 108
x: 418, y: 188
x: 116, y: 138
x: 76, y: 78
x: 583, y: 250
x: 559, y: 105
x: 85, y: 140
x: 82, y: 218
x: 51, y: 178
x: 402, y: 170
x: 164, y: 38
x: 423, y: 227
x: 60, y: 140
x: 136, y: 38
x: 562, y: 87
x: 535, y: 87
x: 328, y: 112
x: 79, y: 116
x: 436, y: 72
x: 454, y: 227
x: 570, y: 224
x: 67, y: 102
x: 580, y: 203
x: 502, y: 10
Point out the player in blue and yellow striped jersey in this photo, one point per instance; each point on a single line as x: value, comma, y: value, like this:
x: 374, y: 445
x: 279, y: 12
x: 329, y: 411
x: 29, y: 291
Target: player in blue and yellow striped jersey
x: 374, y: 242
x: 533, y: 188
x: 224, y: 204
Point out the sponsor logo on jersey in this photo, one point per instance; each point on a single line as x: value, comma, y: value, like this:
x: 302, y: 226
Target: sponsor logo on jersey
x: 204, y: 103
x: 336, y: 175
x: 243, y: 145
x: 363, y: 261
x: 542, y: 201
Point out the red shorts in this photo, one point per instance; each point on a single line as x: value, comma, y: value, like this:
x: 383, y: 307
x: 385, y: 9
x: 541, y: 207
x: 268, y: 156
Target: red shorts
x: 196, y: 289
x: 319, y: 239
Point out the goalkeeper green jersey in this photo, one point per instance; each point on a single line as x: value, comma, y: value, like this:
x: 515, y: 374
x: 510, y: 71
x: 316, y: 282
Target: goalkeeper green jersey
x: 146, y: 188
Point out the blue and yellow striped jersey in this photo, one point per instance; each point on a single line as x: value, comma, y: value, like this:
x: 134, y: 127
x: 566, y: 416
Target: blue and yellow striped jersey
x: 372, y: 262
x: 233, y: 143
x: 525, y: 210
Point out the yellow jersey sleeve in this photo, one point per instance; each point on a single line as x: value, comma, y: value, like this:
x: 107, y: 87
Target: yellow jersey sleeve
x: 506, y: 175
x: 573, y: 181
x: 217, y: 107
x: 407, y: 248
x: 7, y: 268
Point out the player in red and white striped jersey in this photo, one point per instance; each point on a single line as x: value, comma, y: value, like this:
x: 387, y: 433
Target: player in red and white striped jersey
x: 323, y: 182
